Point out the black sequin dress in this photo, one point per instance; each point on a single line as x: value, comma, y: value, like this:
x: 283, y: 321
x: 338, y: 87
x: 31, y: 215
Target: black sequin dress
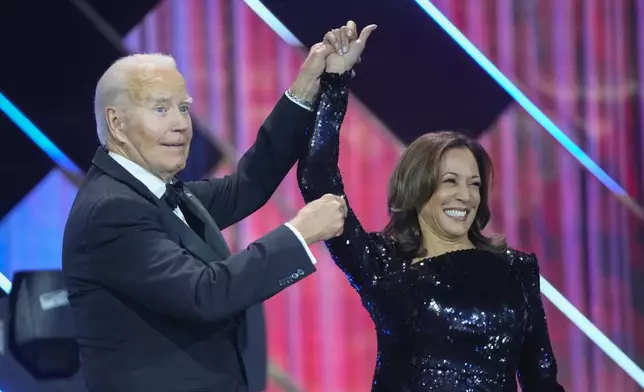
x: 468, y: 320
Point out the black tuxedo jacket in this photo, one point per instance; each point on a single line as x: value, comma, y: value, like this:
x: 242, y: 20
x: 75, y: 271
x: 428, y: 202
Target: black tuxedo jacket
x: 161, y: 306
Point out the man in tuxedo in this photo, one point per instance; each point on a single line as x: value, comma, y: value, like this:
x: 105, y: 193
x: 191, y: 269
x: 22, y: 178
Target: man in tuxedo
x: 159, y: 302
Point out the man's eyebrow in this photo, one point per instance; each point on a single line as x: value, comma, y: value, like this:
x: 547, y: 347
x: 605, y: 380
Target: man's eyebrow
x: 157, y: 98
x: 166, y: 98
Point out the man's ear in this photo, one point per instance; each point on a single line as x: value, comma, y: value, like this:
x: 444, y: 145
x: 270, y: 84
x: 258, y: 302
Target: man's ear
x: 115, y: 123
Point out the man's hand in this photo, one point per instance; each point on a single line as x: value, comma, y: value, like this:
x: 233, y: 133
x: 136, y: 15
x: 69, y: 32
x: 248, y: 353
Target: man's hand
x: 348, y: 49
x: 307, y: 84
x: 321, y: 219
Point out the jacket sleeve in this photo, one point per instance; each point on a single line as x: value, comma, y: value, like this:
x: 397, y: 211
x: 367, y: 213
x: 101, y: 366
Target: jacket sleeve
x: 537, y: 365
x: 280, y: 141
x: 132, y: 254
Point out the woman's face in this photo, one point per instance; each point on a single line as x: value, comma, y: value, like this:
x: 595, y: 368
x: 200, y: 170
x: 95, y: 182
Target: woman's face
x: 450, y: 211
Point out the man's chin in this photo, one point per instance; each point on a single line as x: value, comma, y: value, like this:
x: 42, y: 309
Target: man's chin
x: 176, y: 169
x: 171, y: 171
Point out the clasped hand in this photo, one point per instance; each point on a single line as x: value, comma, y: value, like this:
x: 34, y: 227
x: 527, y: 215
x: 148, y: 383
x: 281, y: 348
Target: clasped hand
x: 346, y: 46
x: 339, y: 52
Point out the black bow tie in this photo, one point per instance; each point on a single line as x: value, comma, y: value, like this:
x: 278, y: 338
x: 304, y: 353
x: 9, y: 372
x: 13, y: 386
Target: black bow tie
x: 173, y: 193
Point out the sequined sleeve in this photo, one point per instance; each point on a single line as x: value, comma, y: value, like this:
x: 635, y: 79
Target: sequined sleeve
x: 537, y: 365
x: 318, y: 174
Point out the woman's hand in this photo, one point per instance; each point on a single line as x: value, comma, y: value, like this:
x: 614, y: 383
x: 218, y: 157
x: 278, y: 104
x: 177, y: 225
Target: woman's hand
x: 349, y: 47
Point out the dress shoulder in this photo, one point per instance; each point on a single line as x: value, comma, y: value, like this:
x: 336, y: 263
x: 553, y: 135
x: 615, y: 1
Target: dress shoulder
x: 521, y: 258
x: 527, y: 266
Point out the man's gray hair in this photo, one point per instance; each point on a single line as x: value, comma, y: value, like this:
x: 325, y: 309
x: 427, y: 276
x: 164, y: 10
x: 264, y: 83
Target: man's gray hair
x: 111, y: 89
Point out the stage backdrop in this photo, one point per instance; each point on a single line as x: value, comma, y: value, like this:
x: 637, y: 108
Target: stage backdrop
x: 573, y: 58
x: 580, y: 60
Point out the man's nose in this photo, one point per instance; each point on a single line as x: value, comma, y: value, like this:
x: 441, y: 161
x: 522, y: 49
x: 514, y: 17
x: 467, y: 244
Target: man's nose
x: 181, y: 122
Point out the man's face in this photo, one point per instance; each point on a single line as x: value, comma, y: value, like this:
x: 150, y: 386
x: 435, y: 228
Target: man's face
x: 156, y: 130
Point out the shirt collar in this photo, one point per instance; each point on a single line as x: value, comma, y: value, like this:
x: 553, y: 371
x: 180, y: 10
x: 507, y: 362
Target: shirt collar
x: 152, y: 182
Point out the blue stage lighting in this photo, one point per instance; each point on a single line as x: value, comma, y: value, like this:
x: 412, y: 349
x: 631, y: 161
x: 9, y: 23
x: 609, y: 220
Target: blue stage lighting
x: 37, y: 136
x: 46, y: 145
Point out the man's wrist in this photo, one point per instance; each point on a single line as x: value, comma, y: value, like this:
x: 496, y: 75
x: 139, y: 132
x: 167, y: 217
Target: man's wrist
x: 304, y: 104
x: 297, y: 227
x: 305, y: 89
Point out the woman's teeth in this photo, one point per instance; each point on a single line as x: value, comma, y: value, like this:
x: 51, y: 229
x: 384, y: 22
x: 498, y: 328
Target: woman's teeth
x: 456, y: 213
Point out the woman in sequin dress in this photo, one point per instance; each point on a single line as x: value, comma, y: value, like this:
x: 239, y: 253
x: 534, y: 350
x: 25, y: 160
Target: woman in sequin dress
x: 454, y: 310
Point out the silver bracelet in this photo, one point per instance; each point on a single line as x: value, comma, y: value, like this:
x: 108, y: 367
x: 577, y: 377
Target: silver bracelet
x: 305, y: 104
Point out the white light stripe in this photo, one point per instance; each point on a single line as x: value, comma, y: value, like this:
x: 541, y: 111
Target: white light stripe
x: 593, y: 333
x: 272, y: 21
x: 5, y: 285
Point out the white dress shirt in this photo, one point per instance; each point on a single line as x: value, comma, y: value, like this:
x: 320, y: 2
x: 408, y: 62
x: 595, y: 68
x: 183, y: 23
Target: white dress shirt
x: 158, y: 188
x: 152, y: 182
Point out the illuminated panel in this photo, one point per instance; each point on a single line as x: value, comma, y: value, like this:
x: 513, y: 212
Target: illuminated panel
x: 46, y: 145
x: 568, y: 309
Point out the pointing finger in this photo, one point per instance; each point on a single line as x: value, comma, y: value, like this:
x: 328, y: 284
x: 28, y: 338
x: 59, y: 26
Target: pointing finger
x: 366, y: 32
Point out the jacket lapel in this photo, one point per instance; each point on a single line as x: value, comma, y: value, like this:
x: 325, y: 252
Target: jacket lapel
x: 110, y: 167
x: 214, y: 246
x: 212, y: 232
x: 187, y: 237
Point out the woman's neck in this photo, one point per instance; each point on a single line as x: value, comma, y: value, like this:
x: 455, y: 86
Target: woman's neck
x: 436, y: 246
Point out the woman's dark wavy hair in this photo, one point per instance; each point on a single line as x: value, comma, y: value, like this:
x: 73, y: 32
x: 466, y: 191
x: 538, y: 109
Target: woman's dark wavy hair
x: 414, y: 181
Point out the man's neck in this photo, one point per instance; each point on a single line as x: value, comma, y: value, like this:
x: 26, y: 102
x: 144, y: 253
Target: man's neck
x: 139, y: 163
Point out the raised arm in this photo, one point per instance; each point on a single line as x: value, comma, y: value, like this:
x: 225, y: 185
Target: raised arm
x: 281, y: 138
x: 133, y: 255
x: 537, y: 365
x: 261, y: 169
x: 280, y: 141
x: 318, y: 174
